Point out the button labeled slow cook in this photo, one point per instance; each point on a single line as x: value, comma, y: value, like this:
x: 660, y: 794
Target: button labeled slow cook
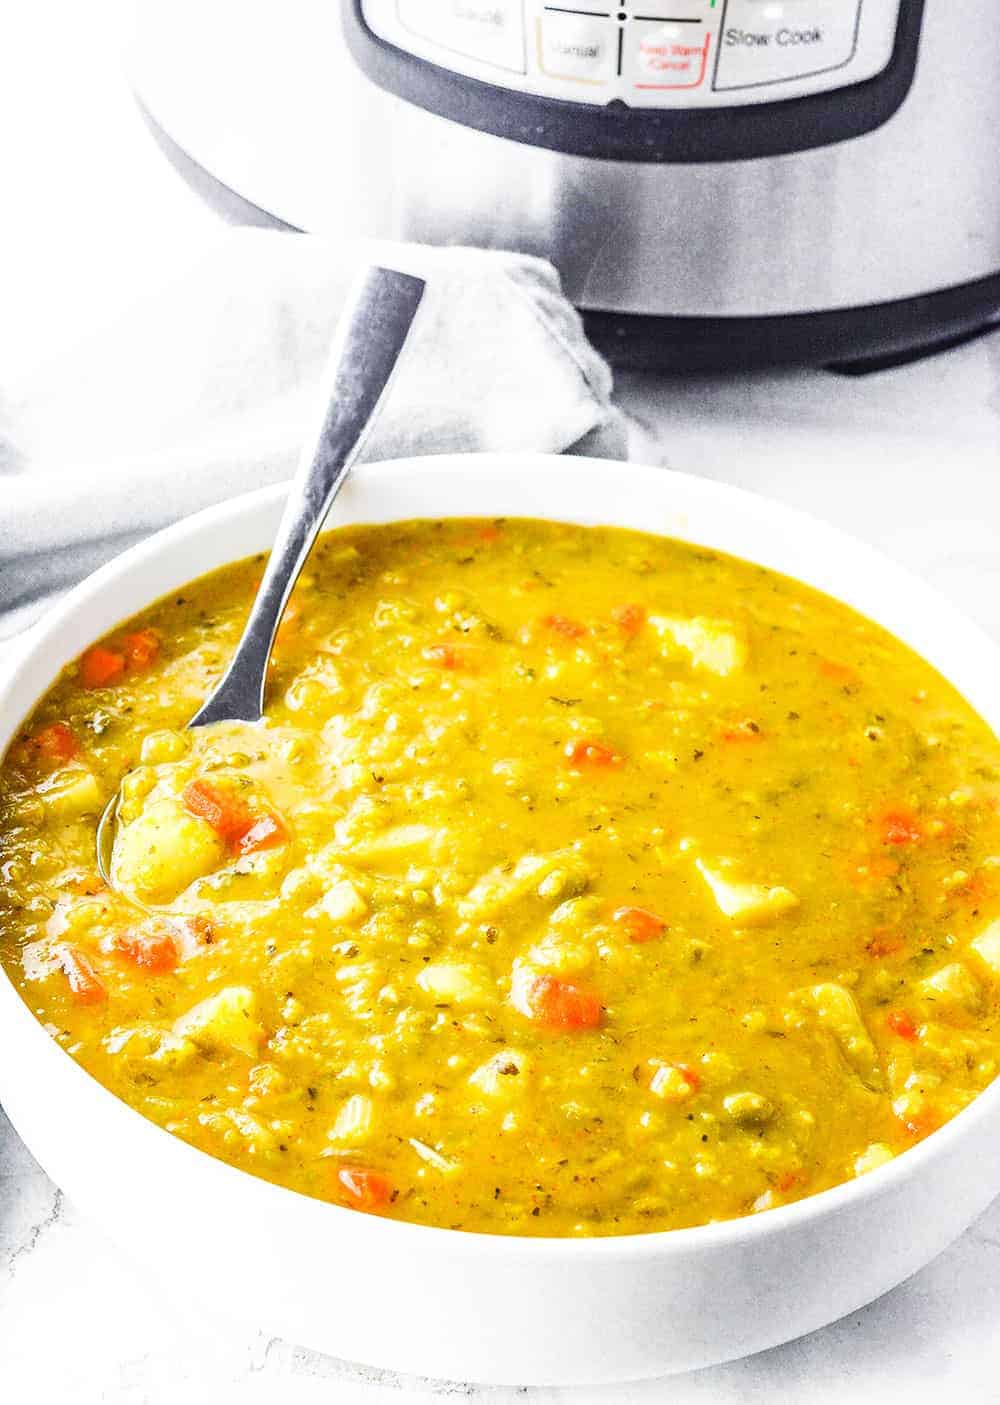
x: 577, y: 48
x: 776, y: 41
x: 667, y: 55
x: 491, y: 31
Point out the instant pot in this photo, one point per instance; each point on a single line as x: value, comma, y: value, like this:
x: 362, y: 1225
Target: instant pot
x: 720, y: 182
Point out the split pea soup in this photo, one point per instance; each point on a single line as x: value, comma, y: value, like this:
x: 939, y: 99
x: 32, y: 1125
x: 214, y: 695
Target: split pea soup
x: 578, y: 881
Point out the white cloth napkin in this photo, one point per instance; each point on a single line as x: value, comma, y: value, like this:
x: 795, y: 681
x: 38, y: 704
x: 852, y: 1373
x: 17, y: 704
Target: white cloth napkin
x: 200, y: 391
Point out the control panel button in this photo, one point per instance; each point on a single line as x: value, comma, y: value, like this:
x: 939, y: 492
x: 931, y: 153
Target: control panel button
x: 675, y: 10
x: 667, y: 53
x: 775, y: 41
x: 579, y: 48
x: 491, y: 31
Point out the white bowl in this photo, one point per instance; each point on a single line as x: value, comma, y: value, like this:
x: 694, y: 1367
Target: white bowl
x: 470, y: 1306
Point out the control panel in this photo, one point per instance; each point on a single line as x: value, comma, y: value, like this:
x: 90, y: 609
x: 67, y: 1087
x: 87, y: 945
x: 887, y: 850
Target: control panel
x: 663, y: 54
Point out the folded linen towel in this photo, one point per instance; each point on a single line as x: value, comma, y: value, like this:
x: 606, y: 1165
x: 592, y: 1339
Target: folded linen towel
x: 200, y: 390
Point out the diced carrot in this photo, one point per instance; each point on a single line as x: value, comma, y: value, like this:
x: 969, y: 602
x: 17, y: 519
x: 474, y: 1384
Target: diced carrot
x: 690, y: 1075
x: 921, y: 1124
x: 364, y: 1189
x: 442, y: 655
x: 629, y: 618
x: 490, y: 533
x: 788, y: 1180
x: 55, y: 744
x: 141, y: 649
x: 583, y: 754
x: 559, y: 1005
x: 154, y: 951
x: 561, y: 624
x: 291, y: 619
x: 837, y: 672
x: 639, y: 924
x: 226, y: 813
x: 899, y: 827
x: 100, y: 667
x: 903, y: 1024
x: 884, y: 942
x: 265, y: 833
x: 86, y: 987
x: 745, y: 731
x: 87, y: 885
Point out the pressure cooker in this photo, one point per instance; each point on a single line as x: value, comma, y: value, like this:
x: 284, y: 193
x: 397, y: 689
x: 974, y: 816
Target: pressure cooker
x: 719, y: 182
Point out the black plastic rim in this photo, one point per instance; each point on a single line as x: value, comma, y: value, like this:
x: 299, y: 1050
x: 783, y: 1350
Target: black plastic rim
x: 621, y: 133
x: 858, y: 338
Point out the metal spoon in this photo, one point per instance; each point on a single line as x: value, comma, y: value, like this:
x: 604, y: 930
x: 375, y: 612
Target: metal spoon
x: 369, y: 341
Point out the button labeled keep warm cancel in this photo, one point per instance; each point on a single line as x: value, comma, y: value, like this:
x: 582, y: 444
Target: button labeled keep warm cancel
x: 662, y: 54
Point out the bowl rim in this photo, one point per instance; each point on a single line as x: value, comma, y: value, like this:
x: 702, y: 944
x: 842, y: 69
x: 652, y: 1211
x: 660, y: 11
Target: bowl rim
x: 711, y: 1236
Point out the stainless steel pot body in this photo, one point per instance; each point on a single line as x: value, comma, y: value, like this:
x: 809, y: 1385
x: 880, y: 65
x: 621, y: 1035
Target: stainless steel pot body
x: 269, y: 100
x: 909, y: 208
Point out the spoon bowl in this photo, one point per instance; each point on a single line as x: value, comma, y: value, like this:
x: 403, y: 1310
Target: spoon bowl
x: 366, y: 351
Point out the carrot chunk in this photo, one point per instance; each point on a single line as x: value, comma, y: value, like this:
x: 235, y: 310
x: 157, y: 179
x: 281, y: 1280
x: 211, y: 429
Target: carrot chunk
x: 583, y: 755
x: 561, y: 624
x: 152, y: 951
x: 745, y: 731
x: 690, y: 1075
x: 442, y: 655
x: 921, y: 1124
x: 85, y: 985
x: 364, y: 1189
x: 639, y: 924
x: 884, y: 942
x: 266, y: 833
x: 101, y: 667
x: 629, y: 618
x: 903, y: 1024
x: 226, y: 813
x: 837, y: 672
x: 141, y: 649
x: 55, y: 744
x: 900, y: 827
x: 559, y: 1005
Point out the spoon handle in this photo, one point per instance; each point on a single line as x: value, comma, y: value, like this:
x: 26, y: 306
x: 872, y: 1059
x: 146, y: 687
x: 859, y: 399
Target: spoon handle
x: 370, y: 338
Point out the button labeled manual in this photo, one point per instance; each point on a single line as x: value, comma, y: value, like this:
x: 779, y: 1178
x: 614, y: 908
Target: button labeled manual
x: 577, y: 48
x: 491, y: 31
x: 783, y: 40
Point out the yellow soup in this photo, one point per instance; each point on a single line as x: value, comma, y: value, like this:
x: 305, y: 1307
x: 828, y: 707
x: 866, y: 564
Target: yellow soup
x: 578, y: 882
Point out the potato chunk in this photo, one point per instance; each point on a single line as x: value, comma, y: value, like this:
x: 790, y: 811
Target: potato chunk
x: 354, y: 1122
x: 454, y: 984
x: 717, y: 646
x: 837, y: 1012
x: 159, y: 854
x: 501, y: 887
x: 987, y: 947
x: 952, y: 986
x: 72, y: 792
x: 874, y: 1156
x: 749, y: 1109
x: 747, y: 904
x: 341, y: 904
x: 502, y: 1075
x: 226, y: 1020
x: 404, y: 842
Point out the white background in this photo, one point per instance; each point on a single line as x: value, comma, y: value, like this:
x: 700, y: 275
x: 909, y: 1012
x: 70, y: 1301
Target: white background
x: 86, y: 202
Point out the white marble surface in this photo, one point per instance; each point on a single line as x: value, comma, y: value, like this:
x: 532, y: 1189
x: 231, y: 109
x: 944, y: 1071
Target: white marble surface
x: 910, y: 463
